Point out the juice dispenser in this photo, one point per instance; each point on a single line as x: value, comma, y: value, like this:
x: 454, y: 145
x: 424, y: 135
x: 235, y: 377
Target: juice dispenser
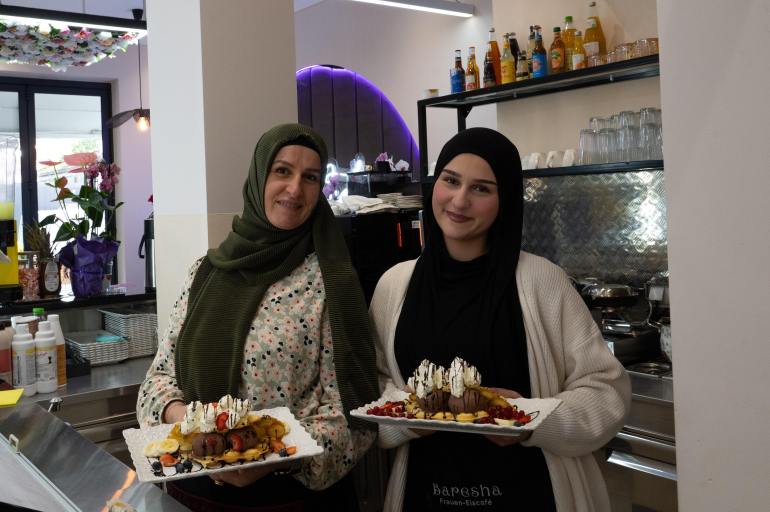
x: 9, y: 264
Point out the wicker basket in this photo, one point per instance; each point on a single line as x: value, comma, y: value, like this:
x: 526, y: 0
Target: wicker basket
x: 87, y: 345
x: 138, y: 324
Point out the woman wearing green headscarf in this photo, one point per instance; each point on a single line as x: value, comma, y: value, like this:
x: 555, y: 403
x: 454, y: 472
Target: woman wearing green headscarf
x: 275, y: 314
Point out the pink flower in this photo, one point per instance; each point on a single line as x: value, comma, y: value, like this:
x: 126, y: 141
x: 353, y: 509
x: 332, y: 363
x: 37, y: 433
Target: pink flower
x: 49, y: 163
x: 83, y: 34
x: 80, y: 159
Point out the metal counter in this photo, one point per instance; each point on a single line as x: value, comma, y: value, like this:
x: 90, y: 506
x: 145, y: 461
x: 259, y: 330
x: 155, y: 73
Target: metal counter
x: 109, y: 379
x: 71, y: 472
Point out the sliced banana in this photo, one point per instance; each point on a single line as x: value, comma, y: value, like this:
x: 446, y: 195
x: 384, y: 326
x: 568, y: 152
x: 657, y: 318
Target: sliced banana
x: 151, y: 450
x: 504, y: 422
x: 168, y: 446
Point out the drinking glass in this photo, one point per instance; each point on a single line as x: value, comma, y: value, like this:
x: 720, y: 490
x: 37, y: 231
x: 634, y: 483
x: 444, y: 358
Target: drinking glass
x: 650, y: 142
x: 649, y: 115
x: 611, y: 57
x: 597, y: 123
x: 587, y: 151
x: 641, y: 48
x: 628, y: 144
x: 623, y: 52
x: 653, y: 43
x: 595, y: 60
x: 627, y: 118
x: 607, y: 145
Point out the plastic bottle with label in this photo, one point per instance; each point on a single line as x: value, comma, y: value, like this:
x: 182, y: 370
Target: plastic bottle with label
x: 568, y: 36
x: 578, y: 52
x: 61, y: 352
x: 45, y: 358
x: 6, y: 338
x: 23, y: 352
x: 593, y: 40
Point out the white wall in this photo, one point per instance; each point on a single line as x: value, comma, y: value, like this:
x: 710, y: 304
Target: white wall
x: 402, y: 52
x: 717, y: 180
x: 212, y: 104
x: 131, y: 148
x: 551, y: 122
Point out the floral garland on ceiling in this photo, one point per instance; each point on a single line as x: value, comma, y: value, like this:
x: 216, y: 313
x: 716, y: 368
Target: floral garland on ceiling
x: 57, y: 45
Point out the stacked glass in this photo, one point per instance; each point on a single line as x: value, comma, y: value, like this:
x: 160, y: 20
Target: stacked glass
x: 623, y: 137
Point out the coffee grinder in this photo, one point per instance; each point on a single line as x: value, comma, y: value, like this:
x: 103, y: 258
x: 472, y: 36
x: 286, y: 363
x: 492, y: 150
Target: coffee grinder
x: 9, y: 260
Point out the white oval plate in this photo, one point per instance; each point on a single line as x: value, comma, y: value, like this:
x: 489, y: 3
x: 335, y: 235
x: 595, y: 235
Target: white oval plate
x: 137, y: 439
x: 541, y: 406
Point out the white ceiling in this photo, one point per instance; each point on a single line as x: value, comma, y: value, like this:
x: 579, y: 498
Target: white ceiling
x: 114, y: 8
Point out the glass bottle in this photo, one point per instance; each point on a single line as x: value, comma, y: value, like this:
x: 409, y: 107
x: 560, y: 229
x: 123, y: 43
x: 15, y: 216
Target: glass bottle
x: 495, y: 55
x: 530, y: 47
x: 522, y: 67
x: 513, y: 44
x: 539, y: 58
x: 49, y: 279
x: 568, y: 36
x: 578, y: 52
x: 507, y: 63
x: 457, y: 75
x: 558, y: 51
x: 472, y: 72
x: 490, y: 80
x: 593, y: 40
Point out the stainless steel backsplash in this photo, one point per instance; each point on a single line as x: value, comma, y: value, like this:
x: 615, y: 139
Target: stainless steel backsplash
x: 609, y: 226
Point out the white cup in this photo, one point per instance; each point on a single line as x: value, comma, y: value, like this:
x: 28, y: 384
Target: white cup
x: 554, y: 159
x: 570, y: 157
x: 537, y: 161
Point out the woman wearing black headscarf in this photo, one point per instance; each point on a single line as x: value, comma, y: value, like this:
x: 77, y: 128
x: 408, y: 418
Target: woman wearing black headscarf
x: 515, y: 316
x: 275, y: 314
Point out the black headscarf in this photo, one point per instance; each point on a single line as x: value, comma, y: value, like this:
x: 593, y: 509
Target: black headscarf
x: 233, y: 278
x: 471, y: 309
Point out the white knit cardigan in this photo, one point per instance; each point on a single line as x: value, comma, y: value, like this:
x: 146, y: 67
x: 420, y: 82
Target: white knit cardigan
x: 568, y: 359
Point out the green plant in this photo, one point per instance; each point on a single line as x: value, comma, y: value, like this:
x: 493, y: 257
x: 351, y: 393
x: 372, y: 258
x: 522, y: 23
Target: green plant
x: 38, y: 240
x: 93, y: 199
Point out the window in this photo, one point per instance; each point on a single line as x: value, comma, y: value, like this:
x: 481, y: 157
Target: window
x: 44, y: 120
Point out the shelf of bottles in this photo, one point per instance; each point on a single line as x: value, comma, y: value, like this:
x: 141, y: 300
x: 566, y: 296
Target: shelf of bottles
x: 631, y: 69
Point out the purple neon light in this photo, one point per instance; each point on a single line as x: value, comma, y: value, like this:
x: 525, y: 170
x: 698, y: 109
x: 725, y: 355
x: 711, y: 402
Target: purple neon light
x: 304, y: 74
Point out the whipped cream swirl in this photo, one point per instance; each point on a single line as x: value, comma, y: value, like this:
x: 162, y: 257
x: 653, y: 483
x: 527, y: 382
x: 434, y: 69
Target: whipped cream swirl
x: 462, y: 375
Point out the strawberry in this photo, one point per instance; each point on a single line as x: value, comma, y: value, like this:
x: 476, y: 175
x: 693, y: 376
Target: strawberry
x: 221, y: 421
x: 237, y: 442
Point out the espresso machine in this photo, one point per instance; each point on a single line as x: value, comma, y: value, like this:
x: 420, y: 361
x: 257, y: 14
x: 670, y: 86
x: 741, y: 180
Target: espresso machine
x: 9, y: 256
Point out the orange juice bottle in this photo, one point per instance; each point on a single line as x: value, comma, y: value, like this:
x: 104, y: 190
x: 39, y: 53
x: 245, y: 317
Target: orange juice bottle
x: 593, y: 41
x: 568, y: 36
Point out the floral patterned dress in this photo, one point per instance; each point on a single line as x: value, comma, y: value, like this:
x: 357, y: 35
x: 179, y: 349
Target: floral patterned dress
x: 287, y: 361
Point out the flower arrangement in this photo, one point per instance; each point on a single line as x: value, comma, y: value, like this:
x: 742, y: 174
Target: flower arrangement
x: 90, y: 246
x: 93, y: 198
x: 57, y: 45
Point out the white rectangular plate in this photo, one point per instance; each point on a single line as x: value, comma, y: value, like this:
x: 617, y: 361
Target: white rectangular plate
x: 137, y: 439
x: 543, y: 406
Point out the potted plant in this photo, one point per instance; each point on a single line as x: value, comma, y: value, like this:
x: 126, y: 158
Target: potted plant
x: 90, y: 230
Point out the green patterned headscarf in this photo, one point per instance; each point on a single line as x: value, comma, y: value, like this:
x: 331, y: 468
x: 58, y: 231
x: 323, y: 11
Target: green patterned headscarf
x: 233, y: 278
